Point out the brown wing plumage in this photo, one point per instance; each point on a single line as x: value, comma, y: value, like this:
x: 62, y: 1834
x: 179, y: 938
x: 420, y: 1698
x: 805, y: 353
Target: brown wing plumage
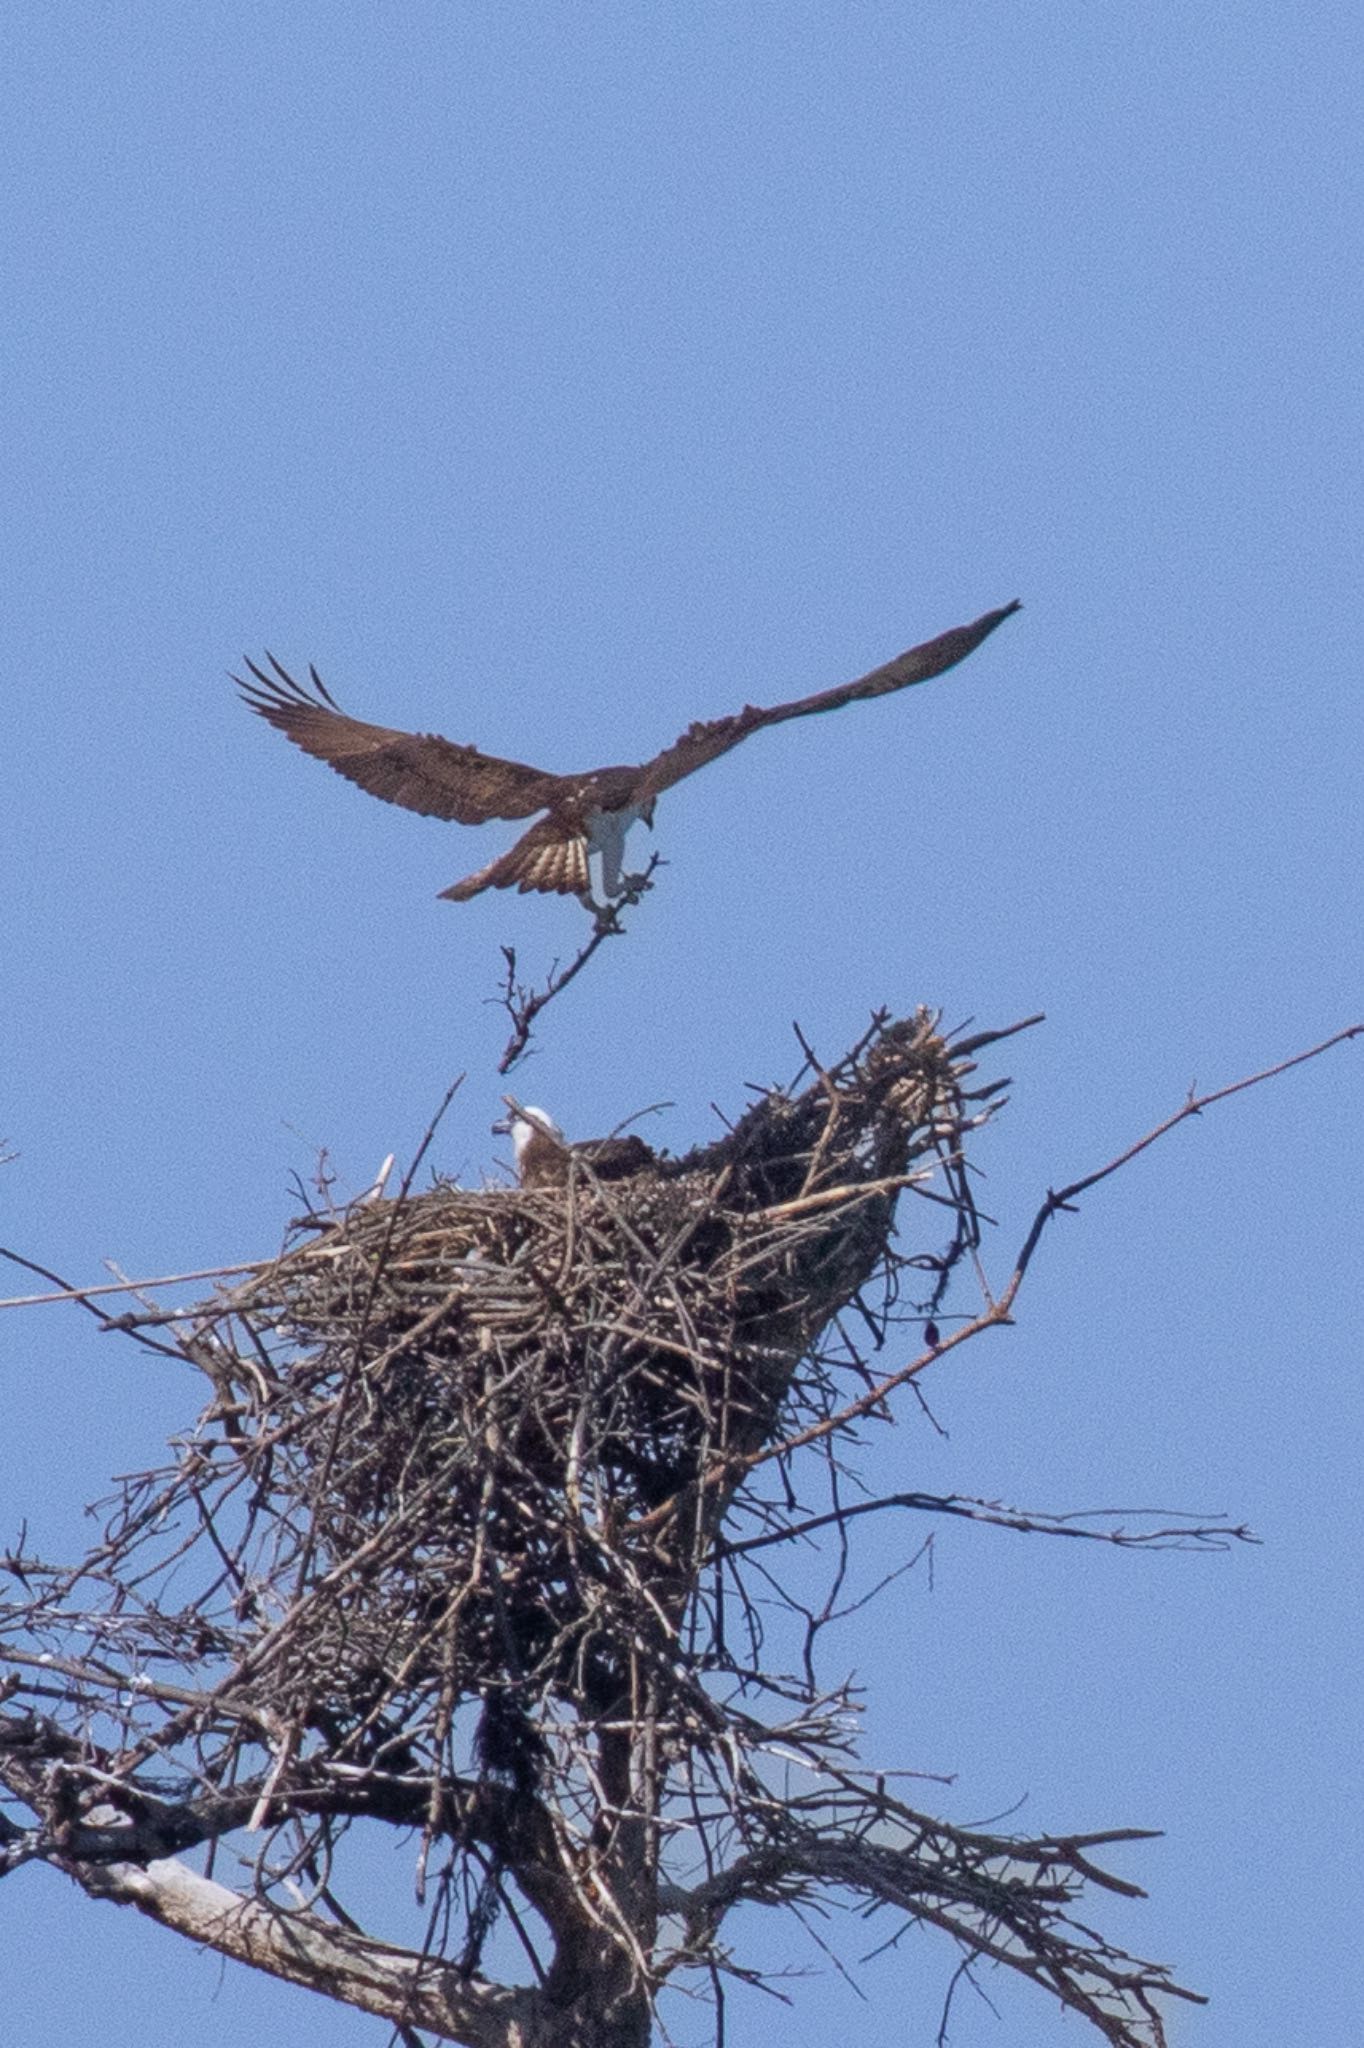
x: 418, y: 770
x: 543, y: 858
x: 442, y: 780
x: 616, y: 1158
x: 705, y: 742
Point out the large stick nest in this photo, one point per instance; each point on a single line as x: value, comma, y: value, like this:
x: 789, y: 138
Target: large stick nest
x: 468, y: 1408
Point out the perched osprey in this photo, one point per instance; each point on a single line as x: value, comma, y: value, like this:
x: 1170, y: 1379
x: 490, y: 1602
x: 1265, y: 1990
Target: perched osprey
x: 584, y: 815
x: 544, y: 1155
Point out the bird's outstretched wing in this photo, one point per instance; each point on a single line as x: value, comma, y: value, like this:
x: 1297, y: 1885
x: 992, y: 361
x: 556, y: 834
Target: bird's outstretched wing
x: 705, y: 742
x: 418, y: 770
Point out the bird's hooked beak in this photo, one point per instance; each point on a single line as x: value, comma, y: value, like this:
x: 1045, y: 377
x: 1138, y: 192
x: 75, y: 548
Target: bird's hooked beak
x: 532, y: 1119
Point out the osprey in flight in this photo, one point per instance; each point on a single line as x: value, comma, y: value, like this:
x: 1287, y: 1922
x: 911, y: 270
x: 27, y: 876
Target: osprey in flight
x: 583, y: 814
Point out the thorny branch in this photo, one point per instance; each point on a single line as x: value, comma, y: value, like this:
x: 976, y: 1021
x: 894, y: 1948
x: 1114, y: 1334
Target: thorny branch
x: 481, y: 1536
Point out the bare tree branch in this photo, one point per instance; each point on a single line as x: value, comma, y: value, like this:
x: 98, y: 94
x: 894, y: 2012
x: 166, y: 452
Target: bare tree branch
x: 998, y: 1310
x: 524, y: 1004
x: 1177, y: 1533
x: 1193, y: 1106
x: 392, y: 1983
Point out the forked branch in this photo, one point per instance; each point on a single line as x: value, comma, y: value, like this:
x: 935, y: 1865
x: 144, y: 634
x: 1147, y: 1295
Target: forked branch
x: 524, y: 1003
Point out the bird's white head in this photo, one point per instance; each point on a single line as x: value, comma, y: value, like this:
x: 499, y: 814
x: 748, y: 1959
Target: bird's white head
x: 525, y: 1125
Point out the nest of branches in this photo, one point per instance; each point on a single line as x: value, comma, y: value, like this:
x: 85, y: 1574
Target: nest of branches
x: 483, y: 1419
x: 469, y: 1450
x: 480, y: 1534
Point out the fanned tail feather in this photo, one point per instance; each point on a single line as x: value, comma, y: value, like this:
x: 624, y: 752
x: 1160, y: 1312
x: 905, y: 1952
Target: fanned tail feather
x: 540, y: 859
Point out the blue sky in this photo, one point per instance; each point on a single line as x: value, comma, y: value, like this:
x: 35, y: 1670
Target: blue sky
x: 551, y: 377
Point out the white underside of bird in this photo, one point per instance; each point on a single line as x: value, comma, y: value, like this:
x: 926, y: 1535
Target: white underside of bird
x: 606, y: 832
